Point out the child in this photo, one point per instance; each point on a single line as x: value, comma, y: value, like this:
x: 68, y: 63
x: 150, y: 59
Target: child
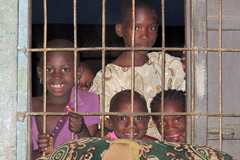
x: 174, y: 126
x: 148, y: 66
x: 86, y: 77
x: 60, y: 98
x: 121, y: 124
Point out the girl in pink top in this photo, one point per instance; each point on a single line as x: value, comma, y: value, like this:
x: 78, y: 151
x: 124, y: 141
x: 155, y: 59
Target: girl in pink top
x: 59, y: 97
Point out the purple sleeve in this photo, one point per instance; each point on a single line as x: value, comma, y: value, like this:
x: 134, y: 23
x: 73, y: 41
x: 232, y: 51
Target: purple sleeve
x: 34, y: 134
x: 87, y: 102
x: 93, y: 107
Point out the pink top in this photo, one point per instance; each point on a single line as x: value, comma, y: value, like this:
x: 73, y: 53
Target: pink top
x: 87, y: 102
x: 112, y: 135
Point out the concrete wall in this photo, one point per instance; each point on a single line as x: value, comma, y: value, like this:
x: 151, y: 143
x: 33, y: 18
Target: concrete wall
x: 8, y: 78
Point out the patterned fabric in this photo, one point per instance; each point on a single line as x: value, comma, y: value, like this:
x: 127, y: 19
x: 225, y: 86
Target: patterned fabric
x: 147, y: 80
x: 122, y: 149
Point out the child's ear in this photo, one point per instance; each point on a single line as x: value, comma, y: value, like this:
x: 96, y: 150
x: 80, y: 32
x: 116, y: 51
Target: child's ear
x: 79, y: 72
x: 148, y: 118
x: 119, y: 29
x: 40, y: 72
x: 110, y: 123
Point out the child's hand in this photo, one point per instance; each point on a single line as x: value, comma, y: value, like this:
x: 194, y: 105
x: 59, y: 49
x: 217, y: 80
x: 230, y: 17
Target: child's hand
x: 75, y: 122
x: 45, y: 143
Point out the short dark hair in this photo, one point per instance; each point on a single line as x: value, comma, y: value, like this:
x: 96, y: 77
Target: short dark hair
x: 56, y: 43
x: 126, y: 7
x: 127, y: 93
x: 169, y: 95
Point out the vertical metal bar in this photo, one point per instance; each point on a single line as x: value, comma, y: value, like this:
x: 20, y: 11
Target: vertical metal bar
x: 75, y: 55
x: 163, y: 67
x: 103, y: 65
x: 192, y: 73
x: 23, y: 83
x: 220, y: 73
x: 188, y: 68
x: 44, y: 67
x: 133, y: 64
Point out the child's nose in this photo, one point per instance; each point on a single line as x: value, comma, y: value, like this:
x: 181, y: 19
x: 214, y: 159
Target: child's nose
x: 144, y: 34
x: 170, y: 126
x: 128, y: 124
x: 57, y: 75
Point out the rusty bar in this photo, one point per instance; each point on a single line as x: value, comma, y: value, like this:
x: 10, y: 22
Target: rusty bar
x: 163, y: 67
x: 44, y: 64
x: 102, y: 109
x: 133, y: 64
x: 44, y: 67
x: 75, y: 56
x: 192, y: 72
x: 128, y: 48
x: 199, y: 114
x: 220, y: 73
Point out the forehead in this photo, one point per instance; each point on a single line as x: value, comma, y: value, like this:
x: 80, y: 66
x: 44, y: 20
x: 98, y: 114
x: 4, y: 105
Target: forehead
x: 142, y: 13
x: 123, y: 104
x: 63, y: 56
x: 88, y: 71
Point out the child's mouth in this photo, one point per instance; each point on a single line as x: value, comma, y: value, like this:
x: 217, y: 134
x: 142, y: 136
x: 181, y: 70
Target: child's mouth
x: 57, y: 87
x: 128, y: 134
x: 174, y: 135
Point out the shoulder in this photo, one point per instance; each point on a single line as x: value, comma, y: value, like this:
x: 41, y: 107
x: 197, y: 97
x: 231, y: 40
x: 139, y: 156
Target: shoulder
x: 85, y: 94
x: 85, y: 97
x: 37, y: 103
x: 158, y: 56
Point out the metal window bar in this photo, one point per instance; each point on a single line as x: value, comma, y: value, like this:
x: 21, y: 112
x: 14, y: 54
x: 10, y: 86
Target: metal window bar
x: 102, y: 109
x: 163, y: 67
x: 220, y: 73
x: 133, y: 65
x: 75, y: 56
x: 192, y: 73
x: 163, y: 49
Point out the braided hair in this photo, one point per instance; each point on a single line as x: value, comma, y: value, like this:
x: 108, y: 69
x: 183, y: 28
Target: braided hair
x: 169, y: 95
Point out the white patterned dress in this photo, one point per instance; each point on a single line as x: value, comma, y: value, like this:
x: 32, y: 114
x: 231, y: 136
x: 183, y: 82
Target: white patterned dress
x: 147, y: 80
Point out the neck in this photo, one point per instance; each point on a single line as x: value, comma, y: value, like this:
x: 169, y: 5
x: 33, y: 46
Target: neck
x: 125, y: 59
x: 63, y: 100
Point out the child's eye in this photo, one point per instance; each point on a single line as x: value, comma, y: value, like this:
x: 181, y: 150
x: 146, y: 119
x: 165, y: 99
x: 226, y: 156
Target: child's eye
x: 121, y: 118
x: 137, y: 28
x: 139, y: 118
x: 49, y: 70
x: 152, y: 28
x: 89, y: 84
x: 65, y: 70
x: 178, y: 119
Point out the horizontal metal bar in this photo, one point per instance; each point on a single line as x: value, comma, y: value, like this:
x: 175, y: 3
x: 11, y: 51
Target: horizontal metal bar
x: 128, y: 48
x: 199, y: 114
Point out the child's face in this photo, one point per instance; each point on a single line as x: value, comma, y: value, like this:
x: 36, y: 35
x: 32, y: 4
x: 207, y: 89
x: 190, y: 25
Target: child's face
x: 86, y: 80
x: 60, y: 73
x: 122, y: 124
x: 145, y: 32
x: 174, y: 126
